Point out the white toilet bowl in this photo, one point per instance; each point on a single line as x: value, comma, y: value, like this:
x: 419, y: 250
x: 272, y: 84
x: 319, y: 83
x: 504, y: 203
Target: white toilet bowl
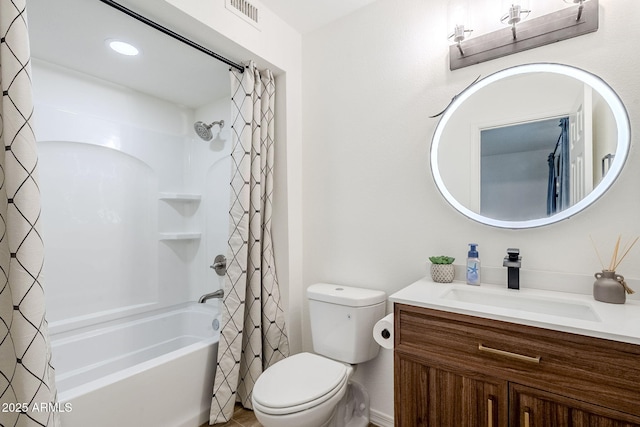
x: 315, y: 390
x: 302, y: 390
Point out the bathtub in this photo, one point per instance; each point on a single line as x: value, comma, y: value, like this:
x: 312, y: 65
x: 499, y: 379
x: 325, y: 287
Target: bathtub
x: 152, y: 369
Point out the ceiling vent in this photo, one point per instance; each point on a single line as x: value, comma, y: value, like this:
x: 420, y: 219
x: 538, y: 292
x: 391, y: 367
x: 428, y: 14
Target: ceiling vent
x: 245, y: 10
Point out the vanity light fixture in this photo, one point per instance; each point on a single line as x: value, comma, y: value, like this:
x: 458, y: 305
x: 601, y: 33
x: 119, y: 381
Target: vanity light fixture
x: 516, y: 10
x: 459, y: 34
x: 531, y: 33
x: 458, y: 19
x: 580, y: 4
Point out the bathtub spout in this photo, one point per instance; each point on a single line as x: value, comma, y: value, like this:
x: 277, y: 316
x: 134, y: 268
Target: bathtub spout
x: 217, y: 294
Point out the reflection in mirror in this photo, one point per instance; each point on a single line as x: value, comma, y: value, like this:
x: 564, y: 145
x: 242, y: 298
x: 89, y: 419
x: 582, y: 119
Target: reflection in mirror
x: 517, y: 163
x: 530, y: 145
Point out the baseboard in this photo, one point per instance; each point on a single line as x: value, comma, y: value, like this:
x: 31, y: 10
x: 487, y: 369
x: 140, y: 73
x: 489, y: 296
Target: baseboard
x: 380, y: 419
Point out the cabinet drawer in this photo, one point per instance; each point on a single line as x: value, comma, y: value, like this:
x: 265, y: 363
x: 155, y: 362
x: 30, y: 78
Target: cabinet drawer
x: 583, y: 368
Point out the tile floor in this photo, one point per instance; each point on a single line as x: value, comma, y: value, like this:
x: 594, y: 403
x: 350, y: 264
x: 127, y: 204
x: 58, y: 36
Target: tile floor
x: 244, y: 418
x: 241, y: 418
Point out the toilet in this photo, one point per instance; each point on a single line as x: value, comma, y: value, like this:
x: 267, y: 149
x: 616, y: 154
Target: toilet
x: 316, y: 390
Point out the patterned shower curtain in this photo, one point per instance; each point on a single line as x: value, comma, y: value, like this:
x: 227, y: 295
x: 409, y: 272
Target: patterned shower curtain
x: 253, y: 333
x: 27, y: 389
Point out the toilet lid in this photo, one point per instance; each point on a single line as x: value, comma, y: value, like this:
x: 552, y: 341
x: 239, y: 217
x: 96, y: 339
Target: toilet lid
x: 297, y: 380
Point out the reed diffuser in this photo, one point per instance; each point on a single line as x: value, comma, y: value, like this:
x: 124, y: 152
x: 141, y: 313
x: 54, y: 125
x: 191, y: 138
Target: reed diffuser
x: 609, y: 286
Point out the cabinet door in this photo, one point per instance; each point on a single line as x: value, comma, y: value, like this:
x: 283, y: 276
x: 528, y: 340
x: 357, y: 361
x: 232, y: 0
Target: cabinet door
x: 430, y: 397
x: 536, y: 408
x: 411, y: 388
x: 461, y: 401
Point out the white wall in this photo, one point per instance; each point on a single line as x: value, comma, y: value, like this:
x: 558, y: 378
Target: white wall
x: 372, y: 214
x: 209, y: 163
x: 106, y: 154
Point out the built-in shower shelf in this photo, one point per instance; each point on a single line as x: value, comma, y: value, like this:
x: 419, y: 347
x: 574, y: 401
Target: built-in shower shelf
x: 180, y: 197
x: 180, y: 236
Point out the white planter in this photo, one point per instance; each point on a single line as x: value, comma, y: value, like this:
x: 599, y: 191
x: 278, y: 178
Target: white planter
x: 442, y: 273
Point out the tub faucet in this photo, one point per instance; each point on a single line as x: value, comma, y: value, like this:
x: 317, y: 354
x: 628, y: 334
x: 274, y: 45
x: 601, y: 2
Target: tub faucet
x: 216, y: 294
x: 512, y: 262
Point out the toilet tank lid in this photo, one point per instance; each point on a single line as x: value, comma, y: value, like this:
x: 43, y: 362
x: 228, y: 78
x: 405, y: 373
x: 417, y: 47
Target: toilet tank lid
x: 345, y: 295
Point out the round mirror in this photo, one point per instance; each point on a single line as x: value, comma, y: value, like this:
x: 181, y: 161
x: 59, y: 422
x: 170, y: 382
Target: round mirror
x: 530, y: 145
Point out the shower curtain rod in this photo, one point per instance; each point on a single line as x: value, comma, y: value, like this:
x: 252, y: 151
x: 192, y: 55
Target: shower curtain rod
x: 173, y: 34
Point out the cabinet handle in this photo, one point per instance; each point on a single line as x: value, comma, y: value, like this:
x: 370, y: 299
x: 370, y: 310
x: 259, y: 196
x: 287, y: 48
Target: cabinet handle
x: 509, y: 354
x: 490, y: 412
x: 526, y: 418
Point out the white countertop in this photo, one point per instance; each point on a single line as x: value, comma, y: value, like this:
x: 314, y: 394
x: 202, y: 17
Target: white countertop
x: 560, y: 311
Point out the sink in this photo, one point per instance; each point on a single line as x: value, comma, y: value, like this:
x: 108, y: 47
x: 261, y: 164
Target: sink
x: 518, y: 301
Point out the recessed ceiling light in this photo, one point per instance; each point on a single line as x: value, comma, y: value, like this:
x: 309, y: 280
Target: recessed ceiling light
x: 123, y: 48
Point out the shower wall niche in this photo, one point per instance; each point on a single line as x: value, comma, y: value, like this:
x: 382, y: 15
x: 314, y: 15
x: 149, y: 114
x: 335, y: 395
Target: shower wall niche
x: 134, y: 205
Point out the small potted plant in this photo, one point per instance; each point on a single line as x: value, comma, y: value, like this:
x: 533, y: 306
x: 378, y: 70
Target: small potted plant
x: 442, y: 268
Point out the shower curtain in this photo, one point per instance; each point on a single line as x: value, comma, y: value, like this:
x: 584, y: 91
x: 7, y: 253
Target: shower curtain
x: 558, y: 186
x: 27, y: 389
x: 564, y: 166
x: 253, y: 335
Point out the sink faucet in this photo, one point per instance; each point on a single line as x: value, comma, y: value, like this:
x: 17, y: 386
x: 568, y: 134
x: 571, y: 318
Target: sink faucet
x: 512, y: 262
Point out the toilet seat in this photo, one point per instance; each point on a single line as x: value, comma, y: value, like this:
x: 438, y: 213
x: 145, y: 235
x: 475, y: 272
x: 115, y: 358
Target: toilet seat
x: 299, y: 382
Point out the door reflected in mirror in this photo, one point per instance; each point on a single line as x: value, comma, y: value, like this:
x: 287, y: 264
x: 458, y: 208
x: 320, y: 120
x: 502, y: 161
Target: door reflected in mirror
x: 530, y: 145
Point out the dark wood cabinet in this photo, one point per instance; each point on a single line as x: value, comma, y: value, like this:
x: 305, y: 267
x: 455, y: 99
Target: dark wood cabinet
x: 536, y: 408
x: 435, y: 397
x: 454, y: 370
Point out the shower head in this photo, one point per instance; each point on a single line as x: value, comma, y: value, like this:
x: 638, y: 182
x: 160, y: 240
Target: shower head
x: 204, y: 130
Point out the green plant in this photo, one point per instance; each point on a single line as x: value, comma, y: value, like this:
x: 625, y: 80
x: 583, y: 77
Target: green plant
x: 442, y: 259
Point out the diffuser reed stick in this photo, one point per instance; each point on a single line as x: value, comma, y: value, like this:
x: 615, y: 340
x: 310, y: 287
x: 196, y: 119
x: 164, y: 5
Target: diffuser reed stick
x: 615, y: 261
x: 614, y: 257
x: 625, y: 253
x: 597, y: 252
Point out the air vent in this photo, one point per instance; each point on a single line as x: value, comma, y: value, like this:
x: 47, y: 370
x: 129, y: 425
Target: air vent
x: 245, y: 10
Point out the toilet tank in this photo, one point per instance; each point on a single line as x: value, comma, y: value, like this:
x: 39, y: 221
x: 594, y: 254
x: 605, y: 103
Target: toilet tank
x: 342, y: 319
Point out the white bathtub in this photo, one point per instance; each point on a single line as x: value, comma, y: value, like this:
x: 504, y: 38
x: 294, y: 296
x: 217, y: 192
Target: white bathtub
x: 154, y: 369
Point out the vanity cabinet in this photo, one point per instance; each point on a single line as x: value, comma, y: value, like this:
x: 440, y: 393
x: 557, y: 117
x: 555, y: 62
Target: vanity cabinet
x: 454, y: 370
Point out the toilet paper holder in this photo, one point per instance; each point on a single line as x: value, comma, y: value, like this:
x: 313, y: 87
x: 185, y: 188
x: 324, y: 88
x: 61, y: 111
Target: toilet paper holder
x: 383, y: 332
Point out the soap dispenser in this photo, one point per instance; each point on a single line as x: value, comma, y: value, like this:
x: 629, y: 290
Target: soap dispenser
x: 473, y: 265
